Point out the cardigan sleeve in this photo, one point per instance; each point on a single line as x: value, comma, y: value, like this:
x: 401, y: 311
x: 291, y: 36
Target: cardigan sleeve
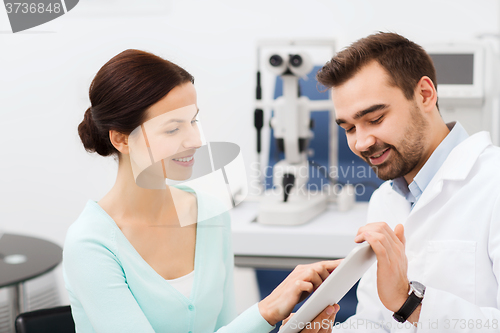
x: 95, y: 277
x: 250, y: 321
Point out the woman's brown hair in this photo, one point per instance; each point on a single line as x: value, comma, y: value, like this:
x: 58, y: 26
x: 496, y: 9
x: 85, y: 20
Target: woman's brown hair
x: 121, y: 92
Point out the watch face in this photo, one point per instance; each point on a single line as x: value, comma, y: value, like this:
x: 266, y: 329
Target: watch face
x: 418, y: 288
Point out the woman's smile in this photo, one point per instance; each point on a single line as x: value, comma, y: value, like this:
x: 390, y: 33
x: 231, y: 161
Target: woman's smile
x: 186, y: 161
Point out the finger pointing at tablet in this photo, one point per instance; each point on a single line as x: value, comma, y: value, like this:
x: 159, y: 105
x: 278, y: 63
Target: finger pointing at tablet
x: 331, y: 291
x: 392, y: 264
x: 301, y: 282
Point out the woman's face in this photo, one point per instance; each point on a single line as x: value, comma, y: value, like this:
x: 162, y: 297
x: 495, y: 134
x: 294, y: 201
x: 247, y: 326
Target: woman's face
x: 169, y: 137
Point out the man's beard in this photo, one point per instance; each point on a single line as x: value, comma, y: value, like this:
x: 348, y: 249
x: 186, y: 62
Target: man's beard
x: 409, y: 154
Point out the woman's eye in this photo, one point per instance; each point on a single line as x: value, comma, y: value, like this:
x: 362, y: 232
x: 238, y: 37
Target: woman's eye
x: 172, y: 131
x: 175, y: 130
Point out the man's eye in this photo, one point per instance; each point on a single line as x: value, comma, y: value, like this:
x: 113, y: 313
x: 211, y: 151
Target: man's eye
x: 194, y: 121
x: 376, y: 121
x: 349, y: 130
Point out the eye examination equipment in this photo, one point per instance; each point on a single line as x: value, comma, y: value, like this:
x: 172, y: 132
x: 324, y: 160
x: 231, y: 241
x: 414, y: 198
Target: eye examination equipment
x: 467, y: 75
x: 330, y: 233
x: 290, y: 201
x: 336, y: 285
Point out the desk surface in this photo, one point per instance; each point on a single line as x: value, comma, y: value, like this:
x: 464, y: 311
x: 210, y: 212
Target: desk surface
x: 41, y: 256
x: 329, y: 235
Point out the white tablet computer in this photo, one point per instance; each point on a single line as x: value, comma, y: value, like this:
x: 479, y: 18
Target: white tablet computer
x: 333, y: 288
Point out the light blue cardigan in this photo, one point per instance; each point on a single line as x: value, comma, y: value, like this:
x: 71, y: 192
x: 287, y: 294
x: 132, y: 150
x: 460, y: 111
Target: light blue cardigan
x: 113, y: 289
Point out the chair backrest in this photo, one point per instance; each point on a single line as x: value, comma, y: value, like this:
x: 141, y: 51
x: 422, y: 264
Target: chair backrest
x: 53, y: 320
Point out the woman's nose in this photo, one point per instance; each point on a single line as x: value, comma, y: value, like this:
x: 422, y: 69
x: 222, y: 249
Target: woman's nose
x: 193, y: 138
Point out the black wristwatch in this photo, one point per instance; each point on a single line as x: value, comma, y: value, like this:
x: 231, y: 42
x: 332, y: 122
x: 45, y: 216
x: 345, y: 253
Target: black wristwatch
x: 416, y: 295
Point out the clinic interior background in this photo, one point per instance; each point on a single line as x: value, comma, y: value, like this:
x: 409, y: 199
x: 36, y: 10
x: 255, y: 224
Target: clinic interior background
x: 46, y: 177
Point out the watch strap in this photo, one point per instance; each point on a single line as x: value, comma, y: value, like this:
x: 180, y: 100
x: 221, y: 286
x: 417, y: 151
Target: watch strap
x: 408, y: 307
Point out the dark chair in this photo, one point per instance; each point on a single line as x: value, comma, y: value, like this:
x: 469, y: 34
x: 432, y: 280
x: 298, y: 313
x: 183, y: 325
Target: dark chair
x: 53, y: 320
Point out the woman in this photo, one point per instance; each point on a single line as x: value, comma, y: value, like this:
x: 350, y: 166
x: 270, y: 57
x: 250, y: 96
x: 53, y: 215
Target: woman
x: 128, y: 264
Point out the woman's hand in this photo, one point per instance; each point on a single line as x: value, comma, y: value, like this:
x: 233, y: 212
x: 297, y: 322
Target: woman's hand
x: 323, y: 323
x: 301, y: 282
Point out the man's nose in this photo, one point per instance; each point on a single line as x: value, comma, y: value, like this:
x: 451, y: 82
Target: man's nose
x: 364, y: 140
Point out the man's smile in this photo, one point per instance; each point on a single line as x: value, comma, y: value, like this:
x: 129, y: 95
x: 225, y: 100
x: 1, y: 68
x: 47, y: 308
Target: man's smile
x: 380, y: 157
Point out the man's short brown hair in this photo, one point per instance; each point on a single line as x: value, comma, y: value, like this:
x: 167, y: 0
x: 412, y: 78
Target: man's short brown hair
x: 404, y: 61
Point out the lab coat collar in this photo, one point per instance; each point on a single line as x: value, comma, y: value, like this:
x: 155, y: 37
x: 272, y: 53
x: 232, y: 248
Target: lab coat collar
x: 456, y: 167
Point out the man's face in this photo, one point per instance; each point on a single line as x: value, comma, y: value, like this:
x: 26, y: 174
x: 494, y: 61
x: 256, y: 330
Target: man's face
x: 382, y: 126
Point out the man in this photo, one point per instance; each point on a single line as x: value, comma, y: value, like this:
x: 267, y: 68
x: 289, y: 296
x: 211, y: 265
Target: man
x: 442, y: 193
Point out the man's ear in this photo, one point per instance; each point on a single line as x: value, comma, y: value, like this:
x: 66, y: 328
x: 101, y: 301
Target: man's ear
x: 119, y: 141
x: 426, y: 94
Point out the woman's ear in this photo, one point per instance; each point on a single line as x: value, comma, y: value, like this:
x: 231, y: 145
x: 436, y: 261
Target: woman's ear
x: 426, y: 94
x: 119, y: 141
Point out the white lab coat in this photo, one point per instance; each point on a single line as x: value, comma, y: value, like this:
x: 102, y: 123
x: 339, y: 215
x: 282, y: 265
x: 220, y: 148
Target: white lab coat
x: 453, y: 245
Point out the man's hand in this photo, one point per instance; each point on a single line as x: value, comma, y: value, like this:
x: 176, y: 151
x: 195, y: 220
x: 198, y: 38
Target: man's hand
x: 323, y: 323
x: 392, y: 265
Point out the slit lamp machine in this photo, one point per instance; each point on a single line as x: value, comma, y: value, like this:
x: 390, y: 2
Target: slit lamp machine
x: 289, y: 201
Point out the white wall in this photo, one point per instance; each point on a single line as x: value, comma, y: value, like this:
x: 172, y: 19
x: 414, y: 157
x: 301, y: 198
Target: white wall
x: 46, y: 176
